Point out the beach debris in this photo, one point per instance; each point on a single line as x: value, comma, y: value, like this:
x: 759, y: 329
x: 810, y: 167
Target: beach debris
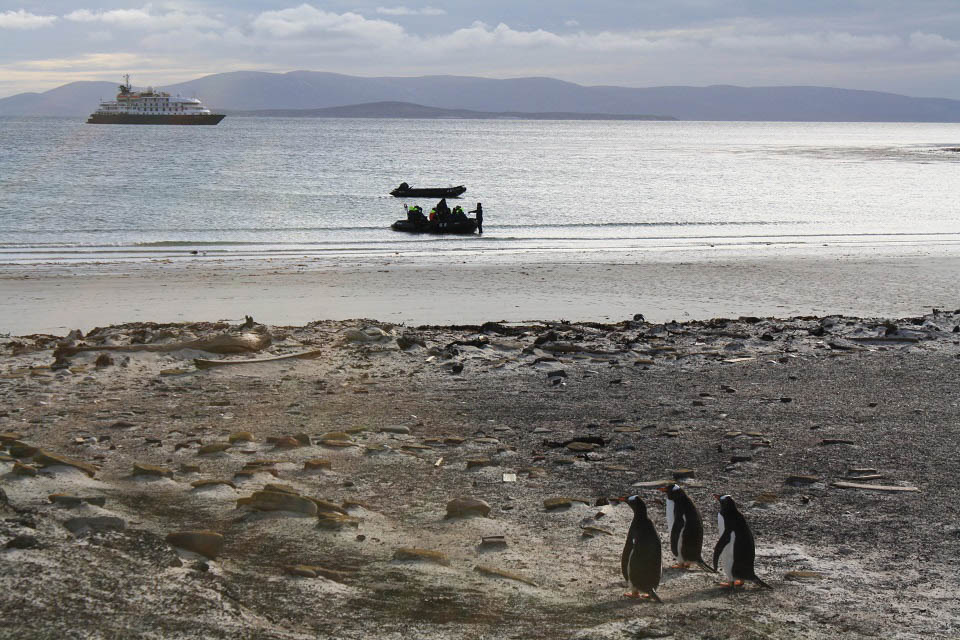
x: 205, y: 542
x: 872, y: 487
x: 421, y: 555
x: 225, y: 343
x: 203, y: 363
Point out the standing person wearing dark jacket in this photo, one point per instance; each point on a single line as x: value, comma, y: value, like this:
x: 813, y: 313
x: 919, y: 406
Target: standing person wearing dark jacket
x: 479, y: 212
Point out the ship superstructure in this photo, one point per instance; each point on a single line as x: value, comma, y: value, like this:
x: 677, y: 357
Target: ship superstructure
x: 151, y: 107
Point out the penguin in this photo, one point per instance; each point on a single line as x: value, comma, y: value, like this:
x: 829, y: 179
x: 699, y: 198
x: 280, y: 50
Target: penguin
x: 685, y: 527
x: 640, y: 560
x: 735, y: 549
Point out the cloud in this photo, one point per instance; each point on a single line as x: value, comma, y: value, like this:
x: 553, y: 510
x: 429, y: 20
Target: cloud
x: 20, y: 19
x: 932, y: 42
x: 406, y: 11
x: 144, y: 18
x: 310, y: 23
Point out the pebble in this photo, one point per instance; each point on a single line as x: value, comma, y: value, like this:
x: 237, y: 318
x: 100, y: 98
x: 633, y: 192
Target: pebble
x: 206, y: 543
x: 467, y: 507
x: 317, y: 464
x: 240, y: 436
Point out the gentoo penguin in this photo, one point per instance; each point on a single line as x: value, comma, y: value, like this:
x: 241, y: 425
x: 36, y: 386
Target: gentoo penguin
x: 735, y: 549
x: 685, y: 527
x: 640, y: 561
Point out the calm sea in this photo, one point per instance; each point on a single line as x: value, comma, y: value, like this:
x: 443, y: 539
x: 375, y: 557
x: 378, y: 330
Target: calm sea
x: 72, y: 193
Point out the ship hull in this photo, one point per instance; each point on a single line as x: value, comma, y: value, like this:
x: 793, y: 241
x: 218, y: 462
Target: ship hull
x: 130, y: 118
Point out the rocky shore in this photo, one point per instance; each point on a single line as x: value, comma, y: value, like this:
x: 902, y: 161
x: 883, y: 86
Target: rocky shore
x: 355, y: 479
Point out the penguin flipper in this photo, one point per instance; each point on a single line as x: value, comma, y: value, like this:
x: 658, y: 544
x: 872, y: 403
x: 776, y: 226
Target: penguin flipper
x: 625, y: 559
x: 721, y: 543
x: 678, y: 523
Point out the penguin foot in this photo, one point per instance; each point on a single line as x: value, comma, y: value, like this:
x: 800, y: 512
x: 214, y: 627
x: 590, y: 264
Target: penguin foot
x: 732, y: 585
x: 633, y: 594
x: 681, y: 565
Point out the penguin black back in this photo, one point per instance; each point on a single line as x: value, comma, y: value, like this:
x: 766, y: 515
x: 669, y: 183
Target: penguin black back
x: 640, y: 561
x: 685, y: 528
x: 736, y: 550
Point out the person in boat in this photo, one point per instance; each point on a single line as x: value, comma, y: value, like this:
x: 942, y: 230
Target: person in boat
x: 443, y: 211
x: 433, y: 214
x: 458, y: 214
x: 415, y: 214
x: 479, y: 212
x: 403, y: 186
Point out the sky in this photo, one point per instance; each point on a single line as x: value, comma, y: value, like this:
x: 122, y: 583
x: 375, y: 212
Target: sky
x: 910, y: 46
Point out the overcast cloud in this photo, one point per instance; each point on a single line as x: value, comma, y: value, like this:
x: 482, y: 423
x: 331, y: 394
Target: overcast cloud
x: 903, y: 47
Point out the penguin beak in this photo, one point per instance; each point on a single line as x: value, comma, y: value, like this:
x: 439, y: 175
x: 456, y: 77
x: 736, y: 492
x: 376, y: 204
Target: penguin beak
x: 620, y: 499
x: 662, y: 489
x: 717, y: 496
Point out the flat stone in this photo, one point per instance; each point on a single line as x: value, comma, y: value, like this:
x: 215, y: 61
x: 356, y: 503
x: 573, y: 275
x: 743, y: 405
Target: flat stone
x: 829, y: 441
x: 652, y: 484
x: 801, y: 480
x: 206, y: 543
x: 200, y: 484
x: 279, y: 501
x: 28, y: 470
x: 338, y: 444
x: 10, y: 436
x: 63, y: 500
x: 213, y: 447
x: 557, y: 503
x: 93, y: 524
x: 421, y: 555
x: 152, y: 470
x: 680, y: 474
x: 453, y: 441
x: 581, y: 446
x: 467, y: 507
x: 475, y: 463
x: 303, y: 439
x: 398, y: 428
x: 740, y: 458
x: 336, y: 435
x: 190, y: 468
x: 46, y: 459
x: 286, y: 442
x: 317, y: 464
x: 281, y: 488
x: 22, y: 450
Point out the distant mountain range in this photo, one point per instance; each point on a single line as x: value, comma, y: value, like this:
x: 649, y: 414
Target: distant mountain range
x: 392, y: 109
x: 245, y: 91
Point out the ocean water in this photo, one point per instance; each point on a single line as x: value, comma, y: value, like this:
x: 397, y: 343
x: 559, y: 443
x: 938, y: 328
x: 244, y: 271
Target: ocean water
x: 255, y: 188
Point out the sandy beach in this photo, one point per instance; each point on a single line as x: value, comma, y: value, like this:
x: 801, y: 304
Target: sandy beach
x: 663, y: 287
x: 455, y: 482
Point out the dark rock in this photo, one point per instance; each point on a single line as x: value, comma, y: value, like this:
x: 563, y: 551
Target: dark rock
x: 24, y: 541
x: 103, y: 360
x: 93, y: 524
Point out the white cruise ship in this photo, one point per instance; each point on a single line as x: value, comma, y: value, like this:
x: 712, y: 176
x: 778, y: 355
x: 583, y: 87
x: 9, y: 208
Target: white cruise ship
x: 151, y: 107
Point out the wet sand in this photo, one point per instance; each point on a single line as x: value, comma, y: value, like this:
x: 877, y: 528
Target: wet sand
x: 51, y: 299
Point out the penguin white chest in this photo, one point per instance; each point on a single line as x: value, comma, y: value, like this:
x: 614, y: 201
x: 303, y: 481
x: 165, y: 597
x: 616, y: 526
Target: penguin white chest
x: 726, y: 556
x: 670, y: 515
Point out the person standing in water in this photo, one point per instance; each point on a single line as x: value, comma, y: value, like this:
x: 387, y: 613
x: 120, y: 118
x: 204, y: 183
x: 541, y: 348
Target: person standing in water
x: 479, y: 212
